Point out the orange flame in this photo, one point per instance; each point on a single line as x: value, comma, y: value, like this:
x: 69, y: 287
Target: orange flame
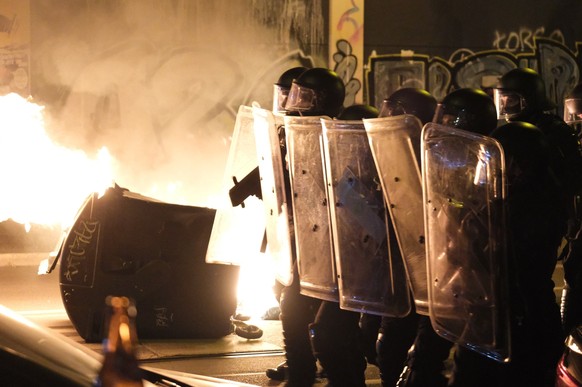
x: 44, y: 183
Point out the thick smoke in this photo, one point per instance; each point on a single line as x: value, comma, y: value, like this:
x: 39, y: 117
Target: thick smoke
x: 159, y: 83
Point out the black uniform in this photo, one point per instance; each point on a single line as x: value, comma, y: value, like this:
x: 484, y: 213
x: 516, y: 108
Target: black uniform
x: 298, y: 311
x: 336, y: 335
x: 408, y: 350
x: 539, y: 195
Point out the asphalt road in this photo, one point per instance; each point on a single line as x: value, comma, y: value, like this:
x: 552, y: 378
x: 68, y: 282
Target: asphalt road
x: 38, y: 298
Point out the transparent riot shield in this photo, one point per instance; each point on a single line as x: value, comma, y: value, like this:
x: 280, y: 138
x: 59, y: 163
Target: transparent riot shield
x: 395, y: 145
x: 371, y: 274
x: 317, y: 275
x: 464, y: 195
x: 269, y: 137
x: 239, y: 225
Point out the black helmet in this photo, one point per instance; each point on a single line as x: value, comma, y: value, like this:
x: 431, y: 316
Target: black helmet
x: 317, y: 91
x: 520, y: 93
x: 526, y: 149
x: 410, y: 100
x: 573, y: 105
x: 358, y: 112
x: 283, y: 85
x: 468, y: 109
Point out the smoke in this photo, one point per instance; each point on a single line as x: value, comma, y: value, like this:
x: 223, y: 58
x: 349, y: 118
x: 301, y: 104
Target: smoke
x: 159, y: 83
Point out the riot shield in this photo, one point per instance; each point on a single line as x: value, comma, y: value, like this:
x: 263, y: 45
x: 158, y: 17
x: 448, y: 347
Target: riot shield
x: 395, y: 145
x: 317, y: 275
x: 269, y: 132
x: 239, y: 225
x: 464, y: 195
x: 371, y: 274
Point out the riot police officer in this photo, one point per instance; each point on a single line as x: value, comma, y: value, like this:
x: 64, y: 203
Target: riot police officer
x: 299, y: 309
x: 543, y: 172
x: 388, y: 339
x: 572, y: 254
x: 521, y: 96
x: 397, y: 335
x: 335, y: 334
x: 470, y: 110
x: 535, y: 226
x: 316, y: 92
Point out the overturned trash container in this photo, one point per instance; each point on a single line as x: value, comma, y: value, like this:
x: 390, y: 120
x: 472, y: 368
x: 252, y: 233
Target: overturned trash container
x: 153, y: 252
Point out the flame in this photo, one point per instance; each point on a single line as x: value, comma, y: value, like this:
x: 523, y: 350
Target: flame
x: 44, y: 183
x: 255, y: 287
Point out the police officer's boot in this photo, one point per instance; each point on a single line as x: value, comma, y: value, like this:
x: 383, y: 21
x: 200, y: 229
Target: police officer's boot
x: 296, y: 314
x: 341, y: 357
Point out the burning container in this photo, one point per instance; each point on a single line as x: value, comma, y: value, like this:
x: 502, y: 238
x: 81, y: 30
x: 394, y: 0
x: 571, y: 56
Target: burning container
x: 153, y: 252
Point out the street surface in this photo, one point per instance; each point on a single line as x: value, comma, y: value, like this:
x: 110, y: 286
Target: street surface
x: 38, y: 298
x: 233, y: 358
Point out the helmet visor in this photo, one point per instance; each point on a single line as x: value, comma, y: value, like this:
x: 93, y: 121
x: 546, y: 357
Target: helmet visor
x: 390, y: 109
x: 508, y: 103
x: 572, y: 110
x: 461, y: 119
x: 280, y: 95
x: 301, y: 99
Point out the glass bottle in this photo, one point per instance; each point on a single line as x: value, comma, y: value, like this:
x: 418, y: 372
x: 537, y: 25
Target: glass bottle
x: 120, y: 365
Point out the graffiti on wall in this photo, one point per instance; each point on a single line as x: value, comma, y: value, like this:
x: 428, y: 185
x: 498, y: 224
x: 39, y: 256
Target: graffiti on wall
x: 15, y: 47
x: 156, y: 92
x: 347, y: 46
x: 523, y: 39
x: 345, y: 65
x: 557, y: 64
